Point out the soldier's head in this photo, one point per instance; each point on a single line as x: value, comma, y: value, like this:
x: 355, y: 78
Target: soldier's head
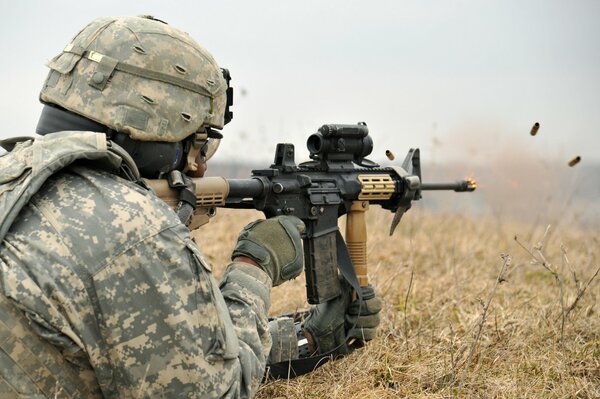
x: 150, y: 87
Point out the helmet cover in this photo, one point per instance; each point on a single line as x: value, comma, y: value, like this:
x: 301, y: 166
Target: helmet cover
x: 139, y: 76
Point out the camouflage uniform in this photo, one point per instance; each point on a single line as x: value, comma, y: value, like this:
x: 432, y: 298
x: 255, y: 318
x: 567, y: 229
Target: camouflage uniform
x: 102, y: 291
x: 105, y: 294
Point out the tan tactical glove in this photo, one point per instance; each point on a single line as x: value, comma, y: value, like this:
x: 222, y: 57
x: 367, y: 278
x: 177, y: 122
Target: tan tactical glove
x: 274, y: 244
x: 332, y: 323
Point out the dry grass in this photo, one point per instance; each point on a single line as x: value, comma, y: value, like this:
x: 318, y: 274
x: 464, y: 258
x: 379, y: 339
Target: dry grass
x: 461, y: 319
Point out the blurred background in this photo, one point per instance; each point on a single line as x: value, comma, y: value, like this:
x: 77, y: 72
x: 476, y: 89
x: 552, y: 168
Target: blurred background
x: 463, y: 80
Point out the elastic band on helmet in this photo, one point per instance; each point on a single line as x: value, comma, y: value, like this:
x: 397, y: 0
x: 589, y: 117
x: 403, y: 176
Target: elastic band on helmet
x: 101, y: 59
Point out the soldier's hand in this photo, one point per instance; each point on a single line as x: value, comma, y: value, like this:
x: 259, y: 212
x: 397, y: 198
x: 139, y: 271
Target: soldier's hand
x: 275, y: 245
x: 343, y: 324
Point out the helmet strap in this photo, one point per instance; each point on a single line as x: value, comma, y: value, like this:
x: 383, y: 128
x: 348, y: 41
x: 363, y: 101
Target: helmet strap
x: 195, y: 146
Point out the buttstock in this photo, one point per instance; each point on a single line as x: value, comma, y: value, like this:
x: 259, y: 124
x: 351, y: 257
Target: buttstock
x: 210, y: 191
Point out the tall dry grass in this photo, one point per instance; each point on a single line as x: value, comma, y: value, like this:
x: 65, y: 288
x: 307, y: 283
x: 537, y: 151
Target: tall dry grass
x: 467, y: 313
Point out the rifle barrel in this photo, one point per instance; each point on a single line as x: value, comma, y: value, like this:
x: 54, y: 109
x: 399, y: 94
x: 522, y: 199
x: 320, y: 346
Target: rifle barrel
x: 458, y: 186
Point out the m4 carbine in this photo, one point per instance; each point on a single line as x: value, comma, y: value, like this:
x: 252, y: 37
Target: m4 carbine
x: 338, y: 181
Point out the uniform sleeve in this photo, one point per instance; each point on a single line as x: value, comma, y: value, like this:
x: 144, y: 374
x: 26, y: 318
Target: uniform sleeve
x: 285, y: 341
x: 246, y: 290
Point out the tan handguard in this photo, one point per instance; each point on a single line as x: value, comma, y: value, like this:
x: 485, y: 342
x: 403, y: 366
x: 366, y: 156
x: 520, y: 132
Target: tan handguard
x: 211, y: 193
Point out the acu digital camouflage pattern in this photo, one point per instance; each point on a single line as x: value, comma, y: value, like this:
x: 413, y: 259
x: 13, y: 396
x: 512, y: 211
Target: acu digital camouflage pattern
x: 148, y: 102
x: 31, y: 162
x: 115, y: 300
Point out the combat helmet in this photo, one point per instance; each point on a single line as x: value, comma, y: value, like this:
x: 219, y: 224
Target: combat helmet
x: 143, y: 78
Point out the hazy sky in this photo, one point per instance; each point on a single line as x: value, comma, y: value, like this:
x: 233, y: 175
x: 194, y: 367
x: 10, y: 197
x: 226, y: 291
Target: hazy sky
x: 459, y: 79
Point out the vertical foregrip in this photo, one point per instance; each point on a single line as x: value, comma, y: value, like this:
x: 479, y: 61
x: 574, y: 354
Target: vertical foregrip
x: 356, y: 239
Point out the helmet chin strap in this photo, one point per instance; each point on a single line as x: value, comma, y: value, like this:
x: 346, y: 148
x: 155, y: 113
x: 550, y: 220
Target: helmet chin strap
x: 195, y: 146
x: 190, y: 161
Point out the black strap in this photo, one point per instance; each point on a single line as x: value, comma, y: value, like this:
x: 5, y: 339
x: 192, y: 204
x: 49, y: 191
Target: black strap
x: 345, y: 264
x: 297, y: 367
x: 108, y: 64
x: 187, y: 195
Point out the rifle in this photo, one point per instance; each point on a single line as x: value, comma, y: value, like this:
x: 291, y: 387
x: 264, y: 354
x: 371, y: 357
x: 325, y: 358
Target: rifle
x: 338, y: 181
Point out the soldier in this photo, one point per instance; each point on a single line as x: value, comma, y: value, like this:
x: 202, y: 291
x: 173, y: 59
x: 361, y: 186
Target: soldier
x: 102, y: 291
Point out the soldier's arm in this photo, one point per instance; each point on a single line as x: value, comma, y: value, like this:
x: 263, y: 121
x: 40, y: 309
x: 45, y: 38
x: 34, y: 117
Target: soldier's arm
x: 246, y: 290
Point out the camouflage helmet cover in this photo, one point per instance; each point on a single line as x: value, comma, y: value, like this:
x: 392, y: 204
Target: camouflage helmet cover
x: 139, y: 76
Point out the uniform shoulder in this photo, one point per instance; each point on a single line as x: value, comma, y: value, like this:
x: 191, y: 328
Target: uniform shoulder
x: 101, y: 213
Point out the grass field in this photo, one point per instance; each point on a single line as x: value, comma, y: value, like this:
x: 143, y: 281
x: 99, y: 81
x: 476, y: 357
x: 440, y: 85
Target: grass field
x: 468, y: 312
